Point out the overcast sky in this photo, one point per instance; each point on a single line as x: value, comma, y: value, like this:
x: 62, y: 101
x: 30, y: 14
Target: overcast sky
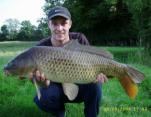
x: 21, y: 10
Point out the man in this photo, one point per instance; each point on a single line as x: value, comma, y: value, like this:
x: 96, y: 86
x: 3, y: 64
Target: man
x: 52, y: 96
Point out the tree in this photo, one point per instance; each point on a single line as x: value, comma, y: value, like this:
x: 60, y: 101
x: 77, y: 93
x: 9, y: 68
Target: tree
x: 142, y: 22
x: 13, y: 26
x: 146, y: 25
x: 105, y: 22
x: 51, y: 3
x: 26, y: 31
x: 43, y: 27
x: 4, y: 33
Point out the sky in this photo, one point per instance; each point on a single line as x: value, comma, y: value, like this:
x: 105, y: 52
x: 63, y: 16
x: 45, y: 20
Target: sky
x: 21, y: 10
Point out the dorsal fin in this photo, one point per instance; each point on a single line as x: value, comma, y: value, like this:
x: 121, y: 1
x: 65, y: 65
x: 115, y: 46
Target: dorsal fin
x: 76, y: 46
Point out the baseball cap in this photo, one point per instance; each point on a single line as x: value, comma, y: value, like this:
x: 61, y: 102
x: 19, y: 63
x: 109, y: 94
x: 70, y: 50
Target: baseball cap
x: 59, y: 11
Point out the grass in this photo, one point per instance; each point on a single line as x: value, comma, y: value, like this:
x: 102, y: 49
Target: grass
x: 16, y: 96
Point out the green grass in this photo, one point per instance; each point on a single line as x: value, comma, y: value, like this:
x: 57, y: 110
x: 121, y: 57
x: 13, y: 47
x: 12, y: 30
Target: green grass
x: 16, y: 96
x: 127, y: 54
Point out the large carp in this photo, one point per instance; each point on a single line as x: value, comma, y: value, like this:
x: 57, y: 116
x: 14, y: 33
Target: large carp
x: 74, y: 63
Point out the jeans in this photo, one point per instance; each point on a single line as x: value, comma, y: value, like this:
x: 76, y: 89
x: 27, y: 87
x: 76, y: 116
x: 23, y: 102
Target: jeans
x: 53, y: 99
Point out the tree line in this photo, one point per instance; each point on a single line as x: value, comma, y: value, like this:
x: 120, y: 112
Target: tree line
x: 104, y: 22
x: 24, y: 31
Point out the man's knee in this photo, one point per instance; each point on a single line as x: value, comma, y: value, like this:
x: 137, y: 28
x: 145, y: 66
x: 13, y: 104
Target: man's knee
x: 51, y: 98
x: 92, y: 100
x: 41, y: 105
x: 95, y: 89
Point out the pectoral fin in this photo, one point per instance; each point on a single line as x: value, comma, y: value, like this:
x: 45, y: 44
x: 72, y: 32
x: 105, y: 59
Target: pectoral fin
x: 70, y: 90
x: 37, y: 88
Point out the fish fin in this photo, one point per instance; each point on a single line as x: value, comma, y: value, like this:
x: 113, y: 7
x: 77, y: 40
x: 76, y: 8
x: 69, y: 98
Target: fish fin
x: 37, y: 88
x: 130, y: 80
x: 72, y: 44
x: 134, y: 74
x: 129, y: 86
x: 70, y: 90
x: 76, y: 46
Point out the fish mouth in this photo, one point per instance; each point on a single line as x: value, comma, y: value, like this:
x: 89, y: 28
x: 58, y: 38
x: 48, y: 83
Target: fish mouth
x: 8, y: 73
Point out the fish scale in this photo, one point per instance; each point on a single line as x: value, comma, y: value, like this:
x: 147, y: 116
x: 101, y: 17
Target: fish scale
x: 74, y: 63
x: 69, y: 66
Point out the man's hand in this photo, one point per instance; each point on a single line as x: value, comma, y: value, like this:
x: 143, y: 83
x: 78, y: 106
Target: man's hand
x: 101, y: 78
x: 40, y: 78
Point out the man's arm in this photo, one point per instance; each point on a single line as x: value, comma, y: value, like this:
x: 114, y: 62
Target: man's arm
x: 80, y: 36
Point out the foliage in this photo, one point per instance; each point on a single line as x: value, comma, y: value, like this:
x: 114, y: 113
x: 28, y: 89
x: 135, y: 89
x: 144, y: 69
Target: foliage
x: 13, y: 27
x: 26, y: 31
x: 104, y: 22
x: 23, y: 31
x: 142, y: 21
x: 4, y: 33
x: 146, y: 25
x: 43, y: 27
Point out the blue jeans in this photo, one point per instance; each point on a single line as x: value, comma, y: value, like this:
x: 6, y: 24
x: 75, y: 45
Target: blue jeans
x: 53, y: 99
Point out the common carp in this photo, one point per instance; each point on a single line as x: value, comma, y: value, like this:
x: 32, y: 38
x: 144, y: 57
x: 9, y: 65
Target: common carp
x: 74, y: 63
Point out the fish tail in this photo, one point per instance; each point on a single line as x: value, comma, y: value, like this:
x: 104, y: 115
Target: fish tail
x: 130, y: 79
x: 135, y: 75
x: 129, y: 86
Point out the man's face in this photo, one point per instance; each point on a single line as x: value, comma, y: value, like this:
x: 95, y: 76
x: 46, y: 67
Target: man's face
x: 59, y: 27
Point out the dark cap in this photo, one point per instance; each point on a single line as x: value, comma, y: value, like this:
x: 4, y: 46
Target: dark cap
x: 59, y: 11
